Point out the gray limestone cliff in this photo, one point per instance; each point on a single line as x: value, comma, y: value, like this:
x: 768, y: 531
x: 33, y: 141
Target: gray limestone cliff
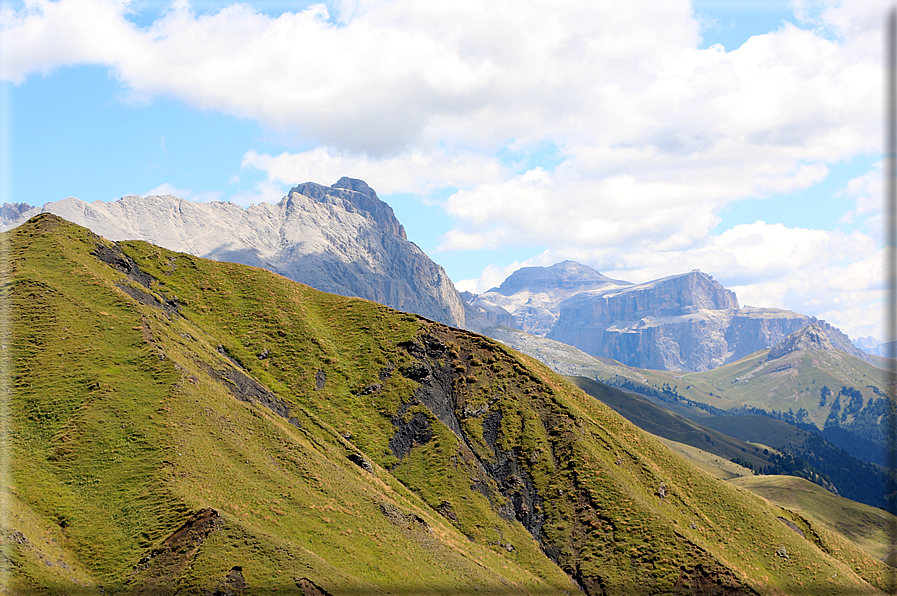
x: 686, y: 322
x: 566, y: 275
x: 532, y: 295
x: 341, y: 239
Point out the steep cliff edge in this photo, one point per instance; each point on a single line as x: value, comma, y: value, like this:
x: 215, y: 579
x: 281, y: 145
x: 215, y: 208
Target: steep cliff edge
x: 686, y: 322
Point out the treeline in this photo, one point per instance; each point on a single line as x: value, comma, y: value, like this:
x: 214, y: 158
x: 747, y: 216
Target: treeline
x: 852, y: 426
x: 858, y: 480
x: 824, y: 464
x: 665, y: 393
x: 851, y: 462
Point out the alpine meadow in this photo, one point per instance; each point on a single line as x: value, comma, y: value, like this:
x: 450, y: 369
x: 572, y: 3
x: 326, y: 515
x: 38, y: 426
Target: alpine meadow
x: 195, y: 427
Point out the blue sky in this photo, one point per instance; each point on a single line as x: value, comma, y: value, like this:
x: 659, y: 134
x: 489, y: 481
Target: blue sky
x: 643, y: 139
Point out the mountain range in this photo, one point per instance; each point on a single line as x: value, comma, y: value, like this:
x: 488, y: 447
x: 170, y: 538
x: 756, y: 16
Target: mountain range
x: 186, y: 426
x: 343, y: 239
x: 340, y: 239
x: 686, y: 322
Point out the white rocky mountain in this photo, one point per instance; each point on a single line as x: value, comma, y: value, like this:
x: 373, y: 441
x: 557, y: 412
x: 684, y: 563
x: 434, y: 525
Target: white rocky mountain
x: 341, y: 239
x: 686, y: 322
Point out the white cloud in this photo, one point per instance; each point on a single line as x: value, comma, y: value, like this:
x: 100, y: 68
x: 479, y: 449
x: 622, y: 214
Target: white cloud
x: 654, y: 135
x: 492, y: 276
x: 829, y: 274
x: 398, y: 74
x: 867, y: 191
x: 413, y: 172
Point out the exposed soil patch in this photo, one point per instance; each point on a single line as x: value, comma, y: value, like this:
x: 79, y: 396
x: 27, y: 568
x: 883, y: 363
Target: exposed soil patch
x: 310, y: 588
x: 169, y: 307
x: 437, y: 375
x: 360, y: 461
x: 251, y: 391
x: 445, y: 510
x: 115, y: 258
x: 409, y: 521
x: 161, y: 568
x: 701, y: 582
x: 416, y: 431
x: 234, y: 583
x: 386, y: 372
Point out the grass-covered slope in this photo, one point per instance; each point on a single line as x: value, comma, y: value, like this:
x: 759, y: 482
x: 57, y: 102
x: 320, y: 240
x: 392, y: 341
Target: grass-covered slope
x: 185, y: 426
x: 660, y: 421
x: 870, y: 528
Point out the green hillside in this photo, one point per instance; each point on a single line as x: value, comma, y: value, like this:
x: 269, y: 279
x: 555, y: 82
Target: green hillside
x: 660, y: 421
x: 868, y: 527
x: 826, y: 390
x: 181, y: 426
x: 766, y: 445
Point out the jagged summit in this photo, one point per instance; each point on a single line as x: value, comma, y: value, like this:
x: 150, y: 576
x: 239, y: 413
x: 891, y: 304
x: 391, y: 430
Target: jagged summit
x: 809, y: 338
x: 356, y: 197
x: 686, y: 322
x: 340, y: 239
x: 562, y: 276
x: 675, y: 295
x: 13, y: 210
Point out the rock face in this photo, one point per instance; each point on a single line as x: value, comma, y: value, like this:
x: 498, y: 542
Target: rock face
x: 340, y: 239
x: 686, y: 322
x: 870, y: 345
x: 566, y: 275
x: 809, y: 338
x: 532, y: 294
x: 817, y: 336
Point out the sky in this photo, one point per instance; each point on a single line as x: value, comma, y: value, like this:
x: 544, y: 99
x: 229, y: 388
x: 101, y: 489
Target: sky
x: 643, y: 138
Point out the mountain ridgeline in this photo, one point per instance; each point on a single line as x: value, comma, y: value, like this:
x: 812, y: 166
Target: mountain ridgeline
x: 343, y: 239
x: 340, y: 239
x: 180, y: 425
x: 686, y: 322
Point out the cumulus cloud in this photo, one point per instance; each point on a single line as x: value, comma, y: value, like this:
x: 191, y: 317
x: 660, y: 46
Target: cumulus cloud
x: 654, y: 135
x: 867, y: 194
x: 394, y: 74
x: 410, y: 172
x: 834, y: 275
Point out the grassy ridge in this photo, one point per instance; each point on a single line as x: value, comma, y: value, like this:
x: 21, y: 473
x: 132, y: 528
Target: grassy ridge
x: 195, y: 434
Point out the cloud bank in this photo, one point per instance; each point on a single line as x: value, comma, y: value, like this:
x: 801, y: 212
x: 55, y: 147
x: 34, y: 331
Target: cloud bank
x: 654, y: 136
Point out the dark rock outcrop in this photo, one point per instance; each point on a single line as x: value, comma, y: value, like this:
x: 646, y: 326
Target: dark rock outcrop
x: 355, y: 196
x: 10, y: 212
x: 437, y: 377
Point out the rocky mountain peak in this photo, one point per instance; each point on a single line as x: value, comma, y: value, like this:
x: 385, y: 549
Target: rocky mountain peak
x: 809, y: 338
x: 340, y: 239
x: 355, y: 196
x: 10, y: 211
x: 560, y: 276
